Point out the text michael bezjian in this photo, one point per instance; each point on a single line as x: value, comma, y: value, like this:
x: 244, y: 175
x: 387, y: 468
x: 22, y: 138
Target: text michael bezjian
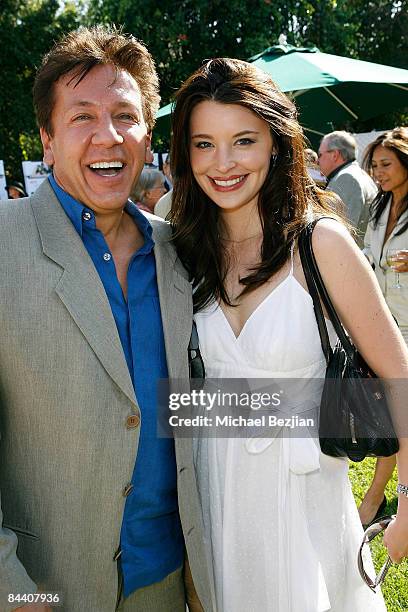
x: 240, y: 421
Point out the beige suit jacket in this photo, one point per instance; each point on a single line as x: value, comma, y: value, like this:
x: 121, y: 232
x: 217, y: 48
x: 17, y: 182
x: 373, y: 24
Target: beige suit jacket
x: 357, y: 190
x: 376, y: 250
x: 66, y: 449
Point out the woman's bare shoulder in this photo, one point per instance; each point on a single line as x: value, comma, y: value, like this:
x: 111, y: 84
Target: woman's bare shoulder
x: 334, y: 245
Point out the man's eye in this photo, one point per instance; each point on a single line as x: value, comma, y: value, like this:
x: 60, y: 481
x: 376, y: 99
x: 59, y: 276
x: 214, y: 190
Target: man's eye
x: 81, y: 118
x: 203, y: 145
x: 128, y: 117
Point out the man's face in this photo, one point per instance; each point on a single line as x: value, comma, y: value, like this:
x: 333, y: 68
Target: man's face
x: 98, y: 146
x: 328, y: 160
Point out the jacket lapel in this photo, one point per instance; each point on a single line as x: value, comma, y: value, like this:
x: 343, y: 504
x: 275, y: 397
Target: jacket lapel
x: 175, y: 301
x: 382, y: 247
x: 382, y: 226
x: 80, y: 288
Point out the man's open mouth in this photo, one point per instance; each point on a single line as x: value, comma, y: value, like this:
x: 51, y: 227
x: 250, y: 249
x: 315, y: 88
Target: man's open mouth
x: 105, y: 168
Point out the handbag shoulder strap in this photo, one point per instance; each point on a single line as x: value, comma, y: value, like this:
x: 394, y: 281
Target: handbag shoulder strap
x: 311, y: 269
x: 305, y: 258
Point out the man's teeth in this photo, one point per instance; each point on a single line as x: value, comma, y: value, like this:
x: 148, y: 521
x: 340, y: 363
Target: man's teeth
x: 104, y: 165
x: 230, y: 182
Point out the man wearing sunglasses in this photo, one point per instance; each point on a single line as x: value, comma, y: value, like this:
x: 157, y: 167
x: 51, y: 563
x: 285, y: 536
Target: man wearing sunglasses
x: 337, y: 161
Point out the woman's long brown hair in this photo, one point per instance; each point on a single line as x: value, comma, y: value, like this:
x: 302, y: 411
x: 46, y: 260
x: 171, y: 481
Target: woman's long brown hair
x: 288, y: 196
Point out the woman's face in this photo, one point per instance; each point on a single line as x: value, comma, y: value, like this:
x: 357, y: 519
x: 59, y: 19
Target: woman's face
x: 388, y: 171
x: 230, y: 153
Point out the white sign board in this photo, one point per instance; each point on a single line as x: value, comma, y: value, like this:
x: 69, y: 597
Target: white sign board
x: 34, y: 174
x: 363, y: 140
x: 3, y: 192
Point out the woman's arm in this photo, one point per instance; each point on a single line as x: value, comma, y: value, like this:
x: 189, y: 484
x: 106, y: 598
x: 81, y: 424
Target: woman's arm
x: 358, y: 300
x: 362, y: 309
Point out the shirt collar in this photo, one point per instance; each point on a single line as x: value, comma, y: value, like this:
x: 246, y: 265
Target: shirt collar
x: 76, y: 211
x: 333, y: 173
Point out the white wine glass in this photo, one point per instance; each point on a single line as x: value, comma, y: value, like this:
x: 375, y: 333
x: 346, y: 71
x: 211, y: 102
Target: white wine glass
x: 394, y: 258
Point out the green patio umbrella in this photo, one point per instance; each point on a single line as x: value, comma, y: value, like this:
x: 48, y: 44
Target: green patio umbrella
x: 330, y: 90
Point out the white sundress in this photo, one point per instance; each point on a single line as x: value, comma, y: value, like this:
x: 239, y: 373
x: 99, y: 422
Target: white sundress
x: 281, y: 526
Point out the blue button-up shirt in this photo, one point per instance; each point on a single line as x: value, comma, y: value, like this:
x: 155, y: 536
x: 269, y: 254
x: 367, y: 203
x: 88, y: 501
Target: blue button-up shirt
x: 151, y: 537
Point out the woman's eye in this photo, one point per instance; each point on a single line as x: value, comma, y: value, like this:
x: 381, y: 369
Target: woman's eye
x: 245, y: 141
x: 203, y: 145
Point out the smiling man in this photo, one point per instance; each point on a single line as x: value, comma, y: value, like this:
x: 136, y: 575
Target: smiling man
x: 95, y: 309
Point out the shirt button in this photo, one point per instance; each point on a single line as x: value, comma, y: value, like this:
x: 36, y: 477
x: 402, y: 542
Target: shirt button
x: 86, y: 216
x: 107, y: 256
x: 127, y: 489
x: 132, y: 421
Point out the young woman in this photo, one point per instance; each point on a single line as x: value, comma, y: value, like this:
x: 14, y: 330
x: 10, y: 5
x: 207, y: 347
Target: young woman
x: 386, y: 246
x: 282, y: 529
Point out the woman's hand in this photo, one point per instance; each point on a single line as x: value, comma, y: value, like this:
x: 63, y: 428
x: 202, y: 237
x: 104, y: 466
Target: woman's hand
x: 396, y: 539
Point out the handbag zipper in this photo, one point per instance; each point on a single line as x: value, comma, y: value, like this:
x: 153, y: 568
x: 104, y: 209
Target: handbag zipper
x: 352, y: 429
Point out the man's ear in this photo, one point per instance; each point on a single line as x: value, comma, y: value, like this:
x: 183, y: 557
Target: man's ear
x: 148, y: 153
x: 46, y: 140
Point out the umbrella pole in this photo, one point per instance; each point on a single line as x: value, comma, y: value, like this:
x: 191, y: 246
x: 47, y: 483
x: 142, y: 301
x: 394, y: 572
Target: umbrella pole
x: 340, y: 102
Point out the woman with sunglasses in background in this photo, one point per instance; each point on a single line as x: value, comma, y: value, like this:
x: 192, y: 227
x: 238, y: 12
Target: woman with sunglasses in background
x: 282, y: 529
x: 386, y: 246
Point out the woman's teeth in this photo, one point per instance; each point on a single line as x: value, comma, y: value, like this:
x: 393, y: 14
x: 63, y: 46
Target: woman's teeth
x: 230, y: 182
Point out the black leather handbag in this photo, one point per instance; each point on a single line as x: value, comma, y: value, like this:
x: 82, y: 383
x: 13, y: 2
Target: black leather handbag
x: 354, y: 421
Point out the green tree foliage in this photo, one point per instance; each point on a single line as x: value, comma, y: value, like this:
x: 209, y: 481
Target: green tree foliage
x: 27, y: 30
x: 180, y: 34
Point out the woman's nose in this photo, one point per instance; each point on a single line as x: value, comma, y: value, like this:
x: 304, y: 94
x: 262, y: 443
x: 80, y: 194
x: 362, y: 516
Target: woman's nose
x: 225, y: 160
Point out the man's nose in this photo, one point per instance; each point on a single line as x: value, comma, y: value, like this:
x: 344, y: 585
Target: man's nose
x: 106, y: 133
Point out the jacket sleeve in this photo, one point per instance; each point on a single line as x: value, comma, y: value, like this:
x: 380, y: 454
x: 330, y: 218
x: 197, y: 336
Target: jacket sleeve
x: 13, y: 577
x: 367, y: 243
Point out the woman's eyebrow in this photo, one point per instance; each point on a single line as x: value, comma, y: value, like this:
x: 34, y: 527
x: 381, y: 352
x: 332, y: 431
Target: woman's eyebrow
x: 234, y: 135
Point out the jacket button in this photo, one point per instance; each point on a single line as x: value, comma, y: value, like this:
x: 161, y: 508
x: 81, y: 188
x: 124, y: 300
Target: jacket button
x: 133, y: 421
x: 127, y: 489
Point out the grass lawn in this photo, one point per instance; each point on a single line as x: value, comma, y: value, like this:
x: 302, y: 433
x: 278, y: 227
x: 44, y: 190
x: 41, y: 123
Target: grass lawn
x: 395, y: 586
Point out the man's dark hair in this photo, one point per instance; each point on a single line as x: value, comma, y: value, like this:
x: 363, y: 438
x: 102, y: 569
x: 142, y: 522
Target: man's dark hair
x: 80, y: 51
